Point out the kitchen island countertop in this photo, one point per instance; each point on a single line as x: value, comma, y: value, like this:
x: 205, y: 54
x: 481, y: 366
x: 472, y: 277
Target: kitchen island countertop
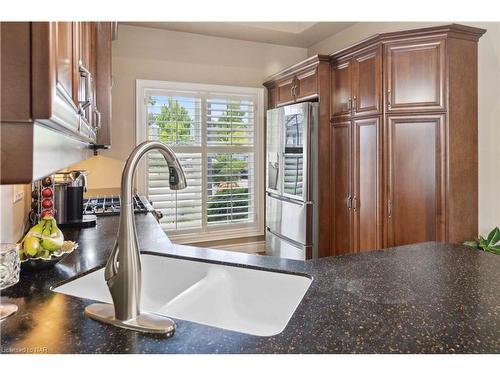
x: 423, y: 298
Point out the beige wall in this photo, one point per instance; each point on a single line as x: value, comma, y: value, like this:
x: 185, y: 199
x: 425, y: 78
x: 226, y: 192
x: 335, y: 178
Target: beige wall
x: 13, y: 216
x: 143, y: 53
x: 489, y: 103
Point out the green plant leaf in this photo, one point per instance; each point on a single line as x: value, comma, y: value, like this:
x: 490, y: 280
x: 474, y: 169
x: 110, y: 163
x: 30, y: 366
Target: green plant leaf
x: 473, y: 244
x: 482, y: 243
x: 494, y: 236
x: 494, y: 249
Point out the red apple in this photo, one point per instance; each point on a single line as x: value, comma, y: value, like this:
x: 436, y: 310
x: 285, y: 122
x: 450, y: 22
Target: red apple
x: 47, y: 203
x: 47, y: 192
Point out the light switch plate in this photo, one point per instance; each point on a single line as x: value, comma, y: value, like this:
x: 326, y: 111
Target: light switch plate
x: 18, y: 193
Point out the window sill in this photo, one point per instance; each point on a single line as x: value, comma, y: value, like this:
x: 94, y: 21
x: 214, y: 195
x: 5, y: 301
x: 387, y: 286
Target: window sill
x: 191, y: 238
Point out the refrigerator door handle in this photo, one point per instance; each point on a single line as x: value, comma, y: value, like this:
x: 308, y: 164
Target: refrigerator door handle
x: 286, y: 199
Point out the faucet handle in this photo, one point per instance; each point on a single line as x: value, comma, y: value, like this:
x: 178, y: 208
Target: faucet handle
x: 111, y: 269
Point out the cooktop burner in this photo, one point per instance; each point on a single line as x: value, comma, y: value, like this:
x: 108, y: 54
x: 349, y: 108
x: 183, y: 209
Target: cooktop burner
x: 104, y: 206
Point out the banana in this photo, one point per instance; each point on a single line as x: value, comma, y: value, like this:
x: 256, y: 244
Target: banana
x: 31, y: 245
x: 47, y: 228
x: 54, y: 229
x: 42, y: 239
x: 36, y: 229
x: 53, y: 243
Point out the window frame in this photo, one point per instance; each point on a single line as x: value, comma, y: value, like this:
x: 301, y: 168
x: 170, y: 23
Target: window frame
x: 145, y: 88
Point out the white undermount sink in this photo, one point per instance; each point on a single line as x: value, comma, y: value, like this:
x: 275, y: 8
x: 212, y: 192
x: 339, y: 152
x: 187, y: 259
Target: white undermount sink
x: 239, y: 299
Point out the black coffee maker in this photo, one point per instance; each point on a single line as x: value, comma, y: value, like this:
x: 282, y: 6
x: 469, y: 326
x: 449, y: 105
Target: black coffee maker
x: 68, y: 199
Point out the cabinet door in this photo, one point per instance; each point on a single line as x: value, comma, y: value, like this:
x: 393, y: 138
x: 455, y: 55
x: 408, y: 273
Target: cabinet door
x: 415, y: 150
x: 341, y: 89
x: 306, y: 84
x: 85, y: 52
x: 341, y: 183
x: 367, y: 77
x: 366, y: 201
x: 286, y: 89
x: 415, y: 73
x: 103, y: 81
x: 64, y: 37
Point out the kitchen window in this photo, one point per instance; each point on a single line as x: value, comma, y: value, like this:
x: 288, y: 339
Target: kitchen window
x: 217, y: 134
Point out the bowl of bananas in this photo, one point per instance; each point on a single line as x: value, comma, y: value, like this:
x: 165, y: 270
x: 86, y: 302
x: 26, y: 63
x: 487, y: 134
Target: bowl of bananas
x: 44, y: 245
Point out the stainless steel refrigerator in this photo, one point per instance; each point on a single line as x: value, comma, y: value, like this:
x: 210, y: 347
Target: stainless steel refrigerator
x: 292, y: 181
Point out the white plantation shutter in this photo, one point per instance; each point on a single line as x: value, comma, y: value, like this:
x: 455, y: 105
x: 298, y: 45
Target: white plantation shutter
x: 215, y: 136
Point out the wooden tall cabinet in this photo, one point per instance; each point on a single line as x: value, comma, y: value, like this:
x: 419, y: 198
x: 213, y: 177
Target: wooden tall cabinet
x: 404, y: 139
x: 356, y: 173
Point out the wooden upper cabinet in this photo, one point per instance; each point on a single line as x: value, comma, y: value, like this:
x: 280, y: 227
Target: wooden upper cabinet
x: 85, y: 70
x: 65, y: 34
x: 341, y: 87
x: 285, y: 90
x: 367, y: 184
x: 306, y: 84
x: 55, y: 76
x: 415, y: 75
x: 299, y: 86
x: 367, y: 82
x: 103, y: 82
x: 415, y: 150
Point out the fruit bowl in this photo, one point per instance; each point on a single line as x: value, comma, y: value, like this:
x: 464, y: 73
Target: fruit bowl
x: 39, y: 263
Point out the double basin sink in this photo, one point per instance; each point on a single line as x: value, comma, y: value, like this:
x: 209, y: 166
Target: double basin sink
x: 240, y: 299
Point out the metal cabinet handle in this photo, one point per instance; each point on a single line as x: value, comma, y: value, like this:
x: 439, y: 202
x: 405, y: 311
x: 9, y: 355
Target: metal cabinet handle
x: 354, y: 104
x: 85, y: 73
x: 349, y: 104
x: 98, y: 117
x: 354, y: 203
x: 349, y: 202
x: 389, y: 208
x: 389, y: 98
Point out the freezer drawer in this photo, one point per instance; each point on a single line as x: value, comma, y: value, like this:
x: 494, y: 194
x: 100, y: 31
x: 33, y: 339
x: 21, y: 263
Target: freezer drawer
x: 290, y: 219
x: 280, y: 247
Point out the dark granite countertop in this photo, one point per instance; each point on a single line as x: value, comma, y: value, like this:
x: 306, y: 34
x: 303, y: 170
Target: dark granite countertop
x: 424, y: 298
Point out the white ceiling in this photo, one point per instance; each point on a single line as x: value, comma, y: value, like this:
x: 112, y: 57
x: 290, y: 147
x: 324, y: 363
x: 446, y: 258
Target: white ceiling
x: 297, y: 34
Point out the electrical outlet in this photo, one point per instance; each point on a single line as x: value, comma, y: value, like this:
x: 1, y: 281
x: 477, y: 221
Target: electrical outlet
x: 18, y: 193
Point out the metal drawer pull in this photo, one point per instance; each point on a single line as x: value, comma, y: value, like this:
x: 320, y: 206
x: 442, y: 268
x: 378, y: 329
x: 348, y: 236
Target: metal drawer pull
x: 389, y: 98
x: 349, y: 202
x: 354, y: 203
x: 349, y: 106
x: 354, y: 104
x: 98, y: 116
x: 85, y: 73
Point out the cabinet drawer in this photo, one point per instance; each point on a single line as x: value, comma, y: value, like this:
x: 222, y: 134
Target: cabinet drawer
x: 415, y: 75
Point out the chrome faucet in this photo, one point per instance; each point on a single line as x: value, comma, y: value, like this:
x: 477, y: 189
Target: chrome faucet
x: 123, y: 269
